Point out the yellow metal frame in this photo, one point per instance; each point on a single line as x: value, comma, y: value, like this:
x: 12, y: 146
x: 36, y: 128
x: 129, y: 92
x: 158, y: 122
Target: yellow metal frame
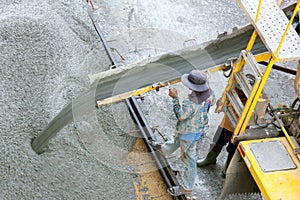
x: 258, y: 87
x: 271, y: 183
x: 150, y: 88
x: 136, y: 92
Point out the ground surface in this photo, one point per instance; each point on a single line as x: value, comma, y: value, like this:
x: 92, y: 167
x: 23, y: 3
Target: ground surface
x: 47, y: 50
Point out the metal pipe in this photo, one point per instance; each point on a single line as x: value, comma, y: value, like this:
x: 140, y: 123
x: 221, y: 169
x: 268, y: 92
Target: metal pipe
x: 101, y: 35
x: 147, y: 133
x: 280, y: 68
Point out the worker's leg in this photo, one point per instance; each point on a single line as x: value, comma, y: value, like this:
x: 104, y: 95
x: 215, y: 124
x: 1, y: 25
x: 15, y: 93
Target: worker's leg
x: 231, y: 150
x: 189, y: 168
x: 219, y: 141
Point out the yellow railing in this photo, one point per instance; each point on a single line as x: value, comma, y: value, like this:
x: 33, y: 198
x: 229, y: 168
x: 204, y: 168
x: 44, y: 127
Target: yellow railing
x: 297, y: 8
x: 250, y: 105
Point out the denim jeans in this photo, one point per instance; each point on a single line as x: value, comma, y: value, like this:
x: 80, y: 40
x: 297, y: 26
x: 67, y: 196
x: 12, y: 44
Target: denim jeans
x: 188, y: 157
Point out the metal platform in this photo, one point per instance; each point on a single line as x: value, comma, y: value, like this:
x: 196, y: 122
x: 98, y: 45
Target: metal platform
x: 271, y: 25
x: 274, y: 167
x: 272, y: 156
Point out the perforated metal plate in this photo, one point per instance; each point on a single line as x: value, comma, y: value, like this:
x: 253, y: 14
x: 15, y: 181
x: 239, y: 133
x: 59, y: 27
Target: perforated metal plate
x: 272, y: 156
x: 270, y: 26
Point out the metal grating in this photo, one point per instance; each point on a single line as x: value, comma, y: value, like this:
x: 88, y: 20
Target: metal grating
x: 270, y: 26
x: 272, y: 156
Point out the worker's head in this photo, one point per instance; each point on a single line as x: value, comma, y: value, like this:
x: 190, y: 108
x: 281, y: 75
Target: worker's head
x: 196, y: 81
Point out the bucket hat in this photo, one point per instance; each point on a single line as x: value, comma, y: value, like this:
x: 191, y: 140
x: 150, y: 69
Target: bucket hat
x: 195, y: 80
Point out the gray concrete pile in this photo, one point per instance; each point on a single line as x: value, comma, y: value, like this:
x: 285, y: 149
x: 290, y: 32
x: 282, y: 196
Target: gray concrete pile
x: 47, y: 48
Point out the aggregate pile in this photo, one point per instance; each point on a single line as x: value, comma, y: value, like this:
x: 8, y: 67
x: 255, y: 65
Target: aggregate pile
x: 47, y: 48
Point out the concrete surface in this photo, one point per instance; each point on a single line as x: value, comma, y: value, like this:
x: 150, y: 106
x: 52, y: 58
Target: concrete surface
x: 47, y: 51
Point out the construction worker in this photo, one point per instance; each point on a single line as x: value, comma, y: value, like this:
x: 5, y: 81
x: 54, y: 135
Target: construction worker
x: 222, y: 137
x: 192, y: 119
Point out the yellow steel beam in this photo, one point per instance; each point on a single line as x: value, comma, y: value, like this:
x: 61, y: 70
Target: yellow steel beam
x: 258, y: 10
x: 250, y: 105
x: 258, y: 58
x: 263, y: 57
x: 136, y: 92
x: 251, y: 41
x: 242, y: 120
x: 257, y: 92
x: 149, y: 88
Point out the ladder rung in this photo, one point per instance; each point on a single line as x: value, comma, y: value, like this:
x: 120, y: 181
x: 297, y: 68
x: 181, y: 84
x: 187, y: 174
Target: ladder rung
x: 242, y: 81
x: 231, y: 116
x: 250, y: 60
x: 235, y: 101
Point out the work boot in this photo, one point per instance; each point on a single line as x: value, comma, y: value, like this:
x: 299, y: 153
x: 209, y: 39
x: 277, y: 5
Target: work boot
x: 211, y: 158
x: 231, y: 148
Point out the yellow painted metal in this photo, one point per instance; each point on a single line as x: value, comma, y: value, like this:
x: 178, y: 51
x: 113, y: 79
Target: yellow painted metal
x: 150, y: 88
x: 251, y: 103
x: 291, y: 142
x: 148, y: 183
x: 286, y: 30
x: 284, y: 184
x: 242, y: 120
x: 257, y: 93
x: 249, y: 107
x: 258, y: 10
x: 251, y: 41
x: 237, y: 67
x: 263, y: 57
x: 136, y: 92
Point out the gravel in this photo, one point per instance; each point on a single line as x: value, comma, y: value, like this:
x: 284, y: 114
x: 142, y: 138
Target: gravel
x: 48, y: 49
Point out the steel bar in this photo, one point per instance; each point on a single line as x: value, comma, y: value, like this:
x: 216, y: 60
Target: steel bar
x: 147, y: 134
x: 101, y: 35
x: 280, y: 68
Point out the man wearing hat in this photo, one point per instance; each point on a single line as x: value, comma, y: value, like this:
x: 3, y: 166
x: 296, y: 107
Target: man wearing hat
x: 192, y: 120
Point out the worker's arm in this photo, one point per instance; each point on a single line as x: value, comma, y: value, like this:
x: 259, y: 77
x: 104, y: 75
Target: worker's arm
x: 181, y: 112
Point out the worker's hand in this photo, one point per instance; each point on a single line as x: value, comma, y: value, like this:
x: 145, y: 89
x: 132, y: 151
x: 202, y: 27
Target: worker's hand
x: 173, y: 93
x: 219, y: 102
x: 219, y: 106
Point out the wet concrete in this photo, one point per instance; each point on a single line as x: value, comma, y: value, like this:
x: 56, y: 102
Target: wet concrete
x: 48, y: 50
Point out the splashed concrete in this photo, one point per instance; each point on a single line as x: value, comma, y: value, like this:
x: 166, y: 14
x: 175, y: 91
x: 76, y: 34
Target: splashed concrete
x: 47, y: 50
